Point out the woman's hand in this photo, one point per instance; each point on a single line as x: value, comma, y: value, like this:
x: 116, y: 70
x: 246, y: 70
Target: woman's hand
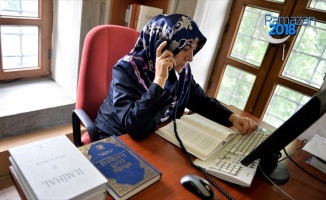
x: 164, y: 63
x: 243, y: 124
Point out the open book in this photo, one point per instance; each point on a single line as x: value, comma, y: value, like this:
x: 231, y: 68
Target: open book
x: 200, y: 136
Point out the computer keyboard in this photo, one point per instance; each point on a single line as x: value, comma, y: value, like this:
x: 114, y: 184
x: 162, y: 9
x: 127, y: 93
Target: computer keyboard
x: 226, y: 165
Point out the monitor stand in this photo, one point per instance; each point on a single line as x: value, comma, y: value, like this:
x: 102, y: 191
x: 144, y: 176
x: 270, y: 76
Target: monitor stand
x: 274, y: 170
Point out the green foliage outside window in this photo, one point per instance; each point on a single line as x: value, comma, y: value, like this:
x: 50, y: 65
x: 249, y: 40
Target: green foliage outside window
x: 305, y: 64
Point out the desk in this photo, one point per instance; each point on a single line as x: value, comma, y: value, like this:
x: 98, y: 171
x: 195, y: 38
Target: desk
x: 173, y: 164
x: 170, y: 160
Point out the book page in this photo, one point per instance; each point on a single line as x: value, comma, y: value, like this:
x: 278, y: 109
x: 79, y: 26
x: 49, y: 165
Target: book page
x: 209, y: 126
x: 196, y: 141
x: 317, y: 146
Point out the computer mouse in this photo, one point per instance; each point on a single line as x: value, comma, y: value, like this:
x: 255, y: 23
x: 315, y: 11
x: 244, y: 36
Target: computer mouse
x: 198, y: 186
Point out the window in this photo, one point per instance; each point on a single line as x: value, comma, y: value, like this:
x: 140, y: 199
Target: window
x: 25, y: 39
x: 270, y: 80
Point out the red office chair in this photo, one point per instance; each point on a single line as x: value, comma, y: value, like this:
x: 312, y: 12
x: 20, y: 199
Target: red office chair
x: 104, y: 45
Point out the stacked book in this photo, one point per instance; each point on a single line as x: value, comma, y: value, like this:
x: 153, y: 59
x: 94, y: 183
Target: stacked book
x: 138, y: 15
x: 317, y: 147
x: 317, y: 163
x: 55, y: 169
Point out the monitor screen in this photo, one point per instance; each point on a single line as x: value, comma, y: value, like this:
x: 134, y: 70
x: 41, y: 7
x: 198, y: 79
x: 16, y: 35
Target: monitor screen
x: 269, y: 150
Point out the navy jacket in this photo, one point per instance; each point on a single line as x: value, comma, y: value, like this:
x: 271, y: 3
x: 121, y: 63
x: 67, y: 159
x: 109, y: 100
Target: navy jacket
x: 127, y: 109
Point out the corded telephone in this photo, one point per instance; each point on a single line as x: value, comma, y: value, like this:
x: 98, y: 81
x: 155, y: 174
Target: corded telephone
x: 174, y: 79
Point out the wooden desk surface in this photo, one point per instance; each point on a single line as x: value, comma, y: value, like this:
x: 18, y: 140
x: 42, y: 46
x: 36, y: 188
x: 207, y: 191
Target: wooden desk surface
x: 170, y: 160
x: 173, y: 164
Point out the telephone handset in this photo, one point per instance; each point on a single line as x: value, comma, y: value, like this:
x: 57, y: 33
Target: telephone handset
x: 159, y: 42
x: 173, y: 75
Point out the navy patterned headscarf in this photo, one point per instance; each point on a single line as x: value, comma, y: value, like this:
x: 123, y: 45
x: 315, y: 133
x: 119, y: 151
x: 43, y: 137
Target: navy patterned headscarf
x: 177, y: 30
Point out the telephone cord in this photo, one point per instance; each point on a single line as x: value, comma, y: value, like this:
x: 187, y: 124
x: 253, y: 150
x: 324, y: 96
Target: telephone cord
x: 183, y: 148
x: 300, y: 167
x: 196, y: 166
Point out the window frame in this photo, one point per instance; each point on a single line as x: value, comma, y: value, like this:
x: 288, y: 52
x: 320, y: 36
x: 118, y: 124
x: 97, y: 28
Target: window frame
x: 44, y: 23
x: 268, y: 76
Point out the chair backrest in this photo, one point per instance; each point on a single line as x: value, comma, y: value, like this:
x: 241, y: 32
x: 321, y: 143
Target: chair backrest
x: 104, y: 45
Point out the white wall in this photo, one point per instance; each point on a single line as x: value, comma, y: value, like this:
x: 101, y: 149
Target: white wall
x: 77, y: 17
x: 211, y: 17
x: 66, y: 36
x: 186, y: 7
x: 71, y: 22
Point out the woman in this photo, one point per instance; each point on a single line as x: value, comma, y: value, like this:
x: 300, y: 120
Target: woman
x: 154, y: 83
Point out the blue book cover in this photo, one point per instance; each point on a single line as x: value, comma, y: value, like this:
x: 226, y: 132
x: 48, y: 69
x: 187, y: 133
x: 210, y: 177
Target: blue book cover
x: 127, y: 172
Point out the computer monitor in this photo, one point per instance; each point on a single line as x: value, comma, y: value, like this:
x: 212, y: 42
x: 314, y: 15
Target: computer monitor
x: 269, y: 150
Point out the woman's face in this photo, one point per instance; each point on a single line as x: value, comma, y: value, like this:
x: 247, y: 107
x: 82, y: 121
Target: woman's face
x: 185, y: 56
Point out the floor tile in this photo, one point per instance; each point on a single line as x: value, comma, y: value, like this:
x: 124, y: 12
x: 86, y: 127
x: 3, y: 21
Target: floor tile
x: 2, y: 196
x: 11, y: 192
x: 7, y: 189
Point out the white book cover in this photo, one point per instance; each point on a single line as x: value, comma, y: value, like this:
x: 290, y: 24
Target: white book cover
x: 26, y: 189
x: 146, y: 13
x: 55, y: 169
x: 317, y: 163
x: 128, y: 15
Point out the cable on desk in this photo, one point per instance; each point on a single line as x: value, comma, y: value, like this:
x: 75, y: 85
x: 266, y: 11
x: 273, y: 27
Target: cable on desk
x: 183, y: 148
x: 196, y: 166
x: 289, y: 157
x: 304, y: 142
x: 272, y: 182
x: 303, y: 168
